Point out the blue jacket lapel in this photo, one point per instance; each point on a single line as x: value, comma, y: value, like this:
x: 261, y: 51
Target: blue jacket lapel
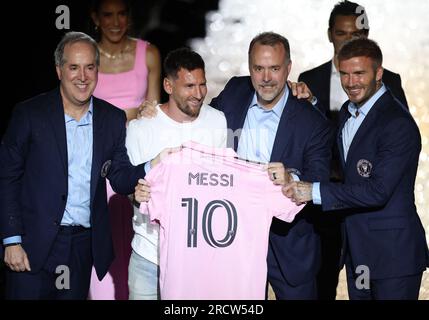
x: 240, y: 115
x: 97, y: 144
x: 343, y: 117
x: 285, y: 128
x: 366, y: 124
x: 56, y: 115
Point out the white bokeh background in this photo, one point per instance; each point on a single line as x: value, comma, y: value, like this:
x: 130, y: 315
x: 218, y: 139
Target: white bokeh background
x: 401, y: 29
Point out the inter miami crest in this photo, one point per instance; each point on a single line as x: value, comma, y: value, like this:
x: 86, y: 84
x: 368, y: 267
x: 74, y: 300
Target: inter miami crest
x: 105, y: 168
x: 364, y: 168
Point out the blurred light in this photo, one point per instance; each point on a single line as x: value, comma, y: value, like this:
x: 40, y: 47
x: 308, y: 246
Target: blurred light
x: 400, y: 29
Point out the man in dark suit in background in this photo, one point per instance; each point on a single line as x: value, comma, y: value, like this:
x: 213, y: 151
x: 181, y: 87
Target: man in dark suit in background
x: 54, y: 158
x: 384, y: 245
x: 347, y: 20
x: 274, y: 126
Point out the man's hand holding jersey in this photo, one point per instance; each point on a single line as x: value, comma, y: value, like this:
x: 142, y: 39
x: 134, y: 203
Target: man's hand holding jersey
x: 278, y: 174
x: 142, y: 189
x: 299, y: 191
x: 164, y: 153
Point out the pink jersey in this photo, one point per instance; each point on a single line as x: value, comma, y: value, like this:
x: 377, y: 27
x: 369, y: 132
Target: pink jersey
x: 215, y: 212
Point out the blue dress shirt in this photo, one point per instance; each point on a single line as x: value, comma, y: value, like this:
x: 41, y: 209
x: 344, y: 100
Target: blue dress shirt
x: 79, y: 150
x: 259, y: 130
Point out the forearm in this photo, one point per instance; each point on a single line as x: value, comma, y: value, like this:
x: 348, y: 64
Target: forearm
x: 10, y: 208
x: 337, y: 196
x: 124, y: 179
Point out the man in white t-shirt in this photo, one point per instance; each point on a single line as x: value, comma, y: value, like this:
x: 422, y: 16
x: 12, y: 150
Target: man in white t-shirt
x: 184, y: 117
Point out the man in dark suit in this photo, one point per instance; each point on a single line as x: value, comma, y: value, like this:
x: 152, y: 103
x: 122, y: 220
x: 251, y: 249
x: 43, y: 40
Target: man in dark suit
x: 347, y: 20
x: 54, y: 158
x: 273, y: 126
x: 384, y: 245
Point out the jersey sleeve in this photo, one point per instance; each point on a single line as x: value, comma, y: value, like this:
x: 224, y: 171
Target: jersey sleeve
x: 278, y: 204
x: 158, y: 182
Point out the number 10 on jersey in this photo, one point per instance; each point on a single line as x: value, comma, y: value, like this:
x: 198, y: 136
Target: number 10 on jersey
x: 207, y: 226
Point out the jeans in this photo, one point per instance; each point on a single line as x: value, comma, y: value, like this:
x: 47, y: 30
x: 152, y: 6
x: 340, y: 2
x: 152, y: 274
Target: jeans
x: 142, y: 279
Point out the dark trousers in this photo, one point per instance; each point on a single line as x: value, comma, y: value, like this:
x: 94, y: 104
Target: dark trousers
x: 65, y: 275
x: 286, y: 291
x: 328, y: 227
x: 401, y: 288
x: 2, y: 280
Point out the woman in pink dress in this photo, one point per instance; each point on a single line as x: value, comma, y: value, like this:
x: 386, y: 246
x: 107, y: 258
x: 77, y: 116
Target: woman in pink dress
x: 129, y: 74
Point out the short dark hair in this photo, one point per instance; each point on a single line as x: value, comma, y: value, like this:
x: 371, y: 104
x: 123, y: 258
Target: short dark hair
x: 270, y: 39
x: 347, y: 8
x: 361, y: 47
x: 182, y: 58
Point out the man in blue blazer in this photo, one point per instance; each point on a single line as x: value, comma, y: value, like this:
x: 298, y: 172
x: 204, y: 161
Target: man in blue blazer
x: 347, y: 20
x: 269, y: 124
x: 324, y: 80
x: 58, y: 150
x: 384, y: 245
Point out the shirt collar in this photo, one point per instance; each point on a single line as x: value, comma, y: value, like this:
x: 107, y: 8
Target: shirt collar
x: 228, y: 152
x: 279, y: 106
x: 86, y: 119
x: 366, y: 107
x: 334, y: 70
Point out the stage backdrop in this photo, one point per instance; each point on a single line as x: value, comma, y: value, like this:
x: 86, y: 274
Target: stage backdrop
x: 400, y: 28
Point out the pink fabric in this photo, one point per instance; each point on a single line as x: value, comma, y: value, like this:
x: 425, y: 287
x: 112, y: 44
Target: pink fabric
x: 203, y: 253
x: 126, y: 89
x: 114, y: 285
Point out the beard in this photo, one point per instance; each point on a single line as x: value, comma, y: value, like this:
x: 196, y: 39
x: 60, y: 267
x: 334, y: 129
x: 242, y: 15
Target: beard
x: 189, y: 110
x: 366, y: 92
x: 268, y: 96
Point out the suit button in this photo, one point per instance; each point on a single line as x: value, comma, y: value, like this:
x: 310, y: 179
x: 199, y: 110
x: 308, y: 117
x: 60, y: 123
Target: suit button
x: 12, y: 221
x: 64, y: 197
x: 56, y: 223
